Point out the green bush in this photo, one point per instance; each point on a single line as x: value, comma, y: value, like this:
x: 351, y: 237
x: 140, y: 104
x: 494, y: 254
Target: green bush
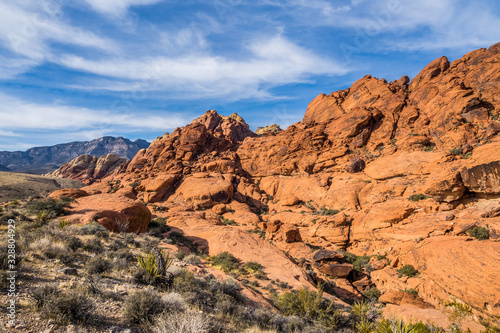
x: 50, y: 207
x: 480, y: 233
x: 372, y: 294
x: 408, y: 270
x: 411, y: 291
x: 359, y: 262
x: 418, y: 197
x: 326, y: 211
x: 307, y: 304
x: 225, y: 261
x: 142, y: 306
x: 252, y: 267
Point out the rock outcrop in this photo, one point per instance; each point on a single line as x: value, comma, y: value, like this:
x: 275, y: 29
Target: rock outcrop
x: 396, y: 173
x: 88, y: 169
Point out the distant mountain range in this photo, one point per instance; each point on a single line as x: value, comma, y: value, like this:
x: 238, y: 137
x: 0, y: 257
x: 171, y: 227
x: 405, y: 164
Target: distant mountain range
x: 40, y: 160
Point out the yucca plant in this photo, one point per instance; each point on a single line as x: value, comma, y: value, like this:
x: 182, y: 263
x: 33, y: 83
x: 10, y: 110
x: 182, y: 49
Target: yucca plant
x: 365, y: 326
x: 396, y: 326
x: 63, y: 224
x: 155, y: 263
x: 148, y: 263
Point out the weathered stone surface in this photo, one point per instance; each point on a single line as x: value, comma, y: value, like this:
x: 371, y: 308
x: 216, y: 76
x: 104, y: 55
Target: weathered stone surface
x: 355, y: 165
x: 68, y: 193
x: 88, y: 169
x: 290, y: 233
x: 117, y: 214
x: 483, y: 178
x: 445, y: 185
x: 204, y: 192
x: 336, y: 270
x: 402, y: 298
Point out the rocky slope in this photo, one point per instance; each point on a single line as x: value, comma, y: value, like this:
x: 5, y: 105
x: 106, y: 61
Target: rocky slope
x: 40, y: 160
x: 400, y: 171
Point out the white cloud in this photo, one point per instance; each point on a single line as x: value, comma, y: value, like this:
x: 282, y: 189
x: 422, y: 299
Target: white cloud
x: 19, y: 115
x: 27, y: 28
x: 269, y: 63
x: 117, y: 7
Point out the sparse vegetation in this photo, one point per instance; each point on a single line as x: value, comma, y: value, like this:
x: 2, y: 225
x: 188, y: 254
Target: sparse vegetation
x: 326, y: 211
x: 142, y: 305
x: 225, y: 261
x: 480, y: 233
x: 418, y: 197
x: 408, y: 270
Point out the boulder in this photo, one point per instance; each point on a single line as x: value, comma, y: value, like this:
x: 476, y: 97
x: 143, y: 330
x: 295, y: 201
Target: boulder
x: 403, y: 298
x: 336, y: 269
x: 355, y: 165
x: 115, y: 213
x: 68, y: 193
x: 483, y: 178
x: 290, y: 233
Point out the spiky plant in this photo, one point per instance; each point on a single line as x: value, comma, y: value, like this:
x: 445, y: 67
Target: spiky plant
x: 396, y: 326
x: 365, y: 326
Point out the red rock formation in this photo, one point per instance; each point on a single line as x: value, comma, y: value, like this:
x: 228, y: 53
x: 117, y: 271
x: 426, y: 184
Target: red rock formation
x: 399, y: 170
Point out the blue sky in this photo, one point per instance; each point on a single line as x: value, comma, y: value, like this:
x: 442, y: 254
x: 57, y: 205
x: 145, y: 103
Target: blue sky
x: 138, y: 68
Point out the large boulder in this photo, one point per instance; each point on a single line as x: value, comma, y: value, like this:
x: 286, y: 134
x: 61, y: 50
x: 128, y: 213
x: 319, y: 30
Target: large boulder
x: 115, y: 213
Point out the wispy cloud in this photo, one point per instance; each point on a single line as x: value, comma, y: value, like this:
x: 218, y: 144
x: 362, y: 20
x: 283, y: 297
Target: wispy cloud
x: 19, y: 115
x: 27, y: 29
x: 268, y: 63
x: 117, y: 7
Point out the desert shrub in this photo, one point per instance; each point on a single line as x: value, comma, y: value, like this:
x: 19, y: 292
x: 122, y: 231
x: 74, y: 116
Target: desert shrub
x: 116, y: 245
x: 98, y: 265
x: 359, y: 262
x: 123, y: 254
x: 372, y: 294
x: 186, y: 322
x: 228, y: 287
x: 91, y: 229
x: 93, y: 245
x: 307, y: 304
x: 49, y: 208
x: 103, y: 234
x: 142, y: 306
x: 4, y: 218
x: 185, y: 282
x: 411, y: 291
x: 130, y: 240
x: 65, y: 307
x: 456, y: 151
x: 159, y: 224
x: 41, y: 295
x: 417, y: 197
x: 46, y: 248
x: 326, y: 211
x: 225, y: 261
x: 408, y: 270
x: 74, y: 243
x: 480, y: 233
x: 192, y: 259
x: 174, y: 302
x: 252, y: 267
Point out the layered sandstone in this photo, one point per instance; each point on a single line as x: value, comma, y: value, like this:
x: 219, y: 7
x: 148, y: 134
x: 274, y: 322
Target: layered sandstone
x: 400, y: 171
